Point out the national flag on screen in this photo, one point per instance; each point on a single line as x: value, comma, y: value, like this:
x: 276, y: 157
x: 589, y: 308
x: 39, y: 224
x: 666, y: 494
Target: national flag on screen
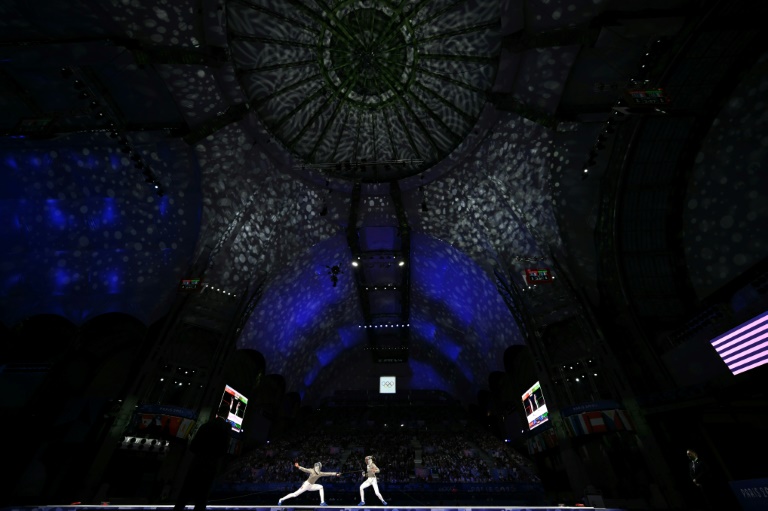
x: 746, y: 346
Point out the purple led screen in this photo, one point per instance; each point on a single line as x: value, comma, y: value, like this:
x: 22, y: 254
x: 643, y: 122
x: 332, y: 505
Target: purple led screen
x: 745, y: 347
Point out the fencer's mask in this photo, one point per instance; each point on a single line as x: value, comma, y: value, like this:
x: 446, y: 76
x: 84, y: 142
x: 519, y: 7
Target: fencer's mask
x: 369, y: 460
x: 318, y: 466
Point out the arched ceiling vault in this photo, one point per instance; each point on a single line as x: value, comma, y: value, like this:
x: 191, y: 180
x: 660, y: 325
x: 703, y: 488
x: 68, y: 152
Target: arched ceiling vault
x: 236, y: 141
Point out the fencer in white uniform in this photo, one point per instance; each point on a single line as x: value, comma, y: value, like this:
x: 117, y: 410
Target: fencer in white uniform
x: 311, y: 483
x: 370, y: 474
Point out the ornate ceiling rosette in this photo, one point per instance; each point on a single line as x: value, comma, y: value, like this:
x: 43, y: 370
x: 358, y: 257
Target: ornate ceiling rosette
x: 366, y: 90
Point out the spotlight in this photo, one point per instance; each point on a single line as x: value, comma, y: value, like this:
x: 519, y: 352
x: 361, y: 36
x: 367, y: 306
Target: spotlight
x: 354, y: 263
x: 401, y: 263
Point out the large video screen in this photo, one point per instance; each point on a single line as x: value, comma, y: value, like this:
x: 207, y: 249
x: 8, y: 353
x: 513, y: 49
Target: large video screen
x: 744, y: 347
x: 232, y: 408
x: 535, y: 407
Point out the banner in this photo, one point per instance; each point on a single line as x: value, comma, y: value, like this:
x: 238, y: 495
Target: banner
x: 752, y: 494
x: 592, y: 406
x: 163, y: 426
x: 602, y: 421
x: 177, y: 411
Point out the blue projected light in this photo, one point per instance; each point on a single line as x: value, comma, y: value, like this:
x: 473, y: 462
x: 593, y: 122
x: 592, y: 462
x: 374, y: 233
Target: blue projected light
x: 113, y: 282
x: 35, y: 161
x: 450, y: 350
x: 350, y: 336
x: 12, y: 281
x: 55, y: 215
x: 81, y: 239
x: 326, y: 356
x: 467, y: 372
x: 60, y: 280
x: 310, y: 377
x: 163, y: 206
x: 426, y: 377
x: 304, y: 315
x: 428, y: 332
x: 424, y: 329
x: 108, y: 214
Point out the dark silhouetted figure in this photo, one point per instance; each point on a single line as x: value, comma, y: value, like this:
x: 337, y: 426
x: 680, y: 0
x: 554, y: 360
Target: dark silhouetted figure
x: 699, y: 474
x: 713, y: 492
x: 209, y: 446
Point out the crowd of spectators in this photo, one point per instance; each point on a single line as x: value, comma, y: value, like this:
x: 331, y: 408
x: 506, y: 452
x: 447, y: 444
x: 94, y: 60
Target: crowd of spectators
x: 407, y: 447
x: 511, y: 465
x: 450, y: 457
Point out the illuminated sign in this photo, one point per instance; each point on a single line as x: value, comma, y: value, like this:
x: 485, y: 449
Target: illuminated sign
x: 538, y: 276
x: 387, y: 385
x: 649, y: 97
x: 746, y: 346
x: 535, y: 408
x: 189, y: 285
x: 232, y: 408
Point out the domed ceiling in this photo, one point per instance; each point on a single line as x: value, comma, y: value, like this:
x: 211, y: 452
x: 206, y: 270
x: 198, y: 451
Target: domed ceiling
x: 366, y: 90
x: 258, y: 144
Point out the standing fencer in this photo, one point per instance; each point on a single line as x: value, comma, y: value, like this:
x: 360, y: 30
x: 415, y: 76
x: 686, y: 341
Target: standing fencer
x: 370, y: 474
x: 311, y: 482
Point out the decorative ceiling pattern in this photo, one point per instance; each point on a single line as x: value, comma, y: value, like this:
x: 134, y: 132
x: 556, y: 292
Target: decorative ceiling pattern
x: 496, y: 204
x: 256, y: 116
x: 727, y: 203
x: 84, y: 236
x: 307, y: 328
x: 366, y: 90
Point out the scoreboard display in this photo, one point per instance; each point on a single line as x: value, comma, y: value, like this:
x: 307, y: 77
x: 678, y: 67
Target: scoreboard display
x: 647, y: 97
x: 535, y: 276
x: 190, y: 285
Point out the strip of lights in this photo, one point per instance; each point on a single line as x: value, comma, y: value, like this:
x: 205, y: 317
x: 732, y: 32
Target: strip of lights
x: 384, y: 326
x: 104, y: 113
x: 744, y: 347
x: 219, y: 290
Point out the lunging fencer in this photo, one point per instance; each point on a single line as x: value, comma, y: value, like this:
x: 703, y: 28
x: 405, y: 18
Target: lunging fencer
x: 311, y: 483
x: 370, y: 474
